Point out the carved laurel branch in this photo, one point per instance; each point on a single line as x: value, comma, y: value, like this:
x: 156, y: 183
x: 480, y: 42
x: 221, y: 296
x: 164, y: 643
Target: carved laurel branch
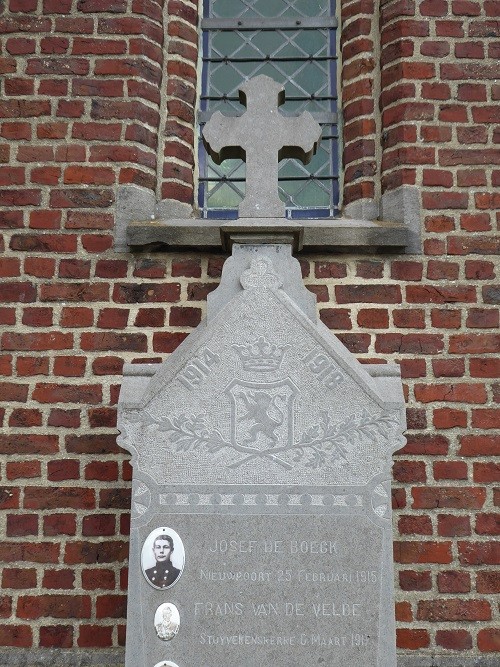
x: 324, y: 443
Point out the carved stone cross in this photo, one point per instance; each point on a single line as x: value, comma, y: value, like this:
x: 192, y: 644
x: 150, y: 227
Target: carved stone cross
x: 261, y: 137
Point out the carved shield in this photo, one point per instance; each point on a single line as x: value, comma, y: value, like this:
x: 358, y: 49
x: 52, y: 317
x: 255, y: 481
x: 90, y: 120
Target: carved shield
x: 262, y: 418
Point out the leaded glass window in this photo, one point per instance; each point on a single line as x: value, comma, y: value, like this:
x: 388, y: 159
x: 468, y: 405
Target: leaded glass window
x: 293, y: 42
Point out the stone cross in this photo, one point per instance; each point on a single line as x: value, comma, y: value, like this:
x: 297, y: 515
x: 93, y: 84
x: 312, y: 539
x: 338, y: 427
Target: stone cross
x: 261, y: 137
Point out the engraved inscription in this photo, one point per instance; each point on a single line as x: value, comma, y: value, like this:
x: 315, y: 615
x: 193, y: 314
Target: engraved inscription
x: 323, y: 368
x: 198, y: 369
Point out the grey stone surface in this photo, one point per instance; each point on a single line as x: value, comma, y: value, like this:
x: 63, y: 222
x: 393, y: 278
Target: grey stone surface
x: 170, y: 209
x: 261, y: 137
x: 15, y: 657
x: 133, y: 202
x: 363, y: 209
x: 315, y: 235
x: 284, y: 264
x: 116, y: 658
x: 404, y: 205
x: 264, y: 450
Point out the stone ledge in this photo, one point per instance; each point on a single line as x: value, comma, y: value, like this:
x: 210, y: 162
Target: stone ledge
x: 116, y: 658
x: 314, y: 235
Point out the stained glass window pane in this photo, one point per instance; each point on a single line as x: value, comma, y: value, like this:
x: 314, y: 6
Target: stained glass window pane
x: 301, y: 58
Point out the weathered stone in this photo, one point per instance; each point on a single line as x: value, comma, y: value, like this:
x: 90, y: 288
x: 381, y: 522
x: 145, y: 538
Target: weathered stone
x: 261, y: 137
x: 262, y: 449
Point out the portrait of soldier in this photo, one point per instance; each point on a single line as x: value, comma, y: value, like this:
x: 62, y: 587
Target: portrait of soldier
x: 167, y: 621
x: 163, y: 574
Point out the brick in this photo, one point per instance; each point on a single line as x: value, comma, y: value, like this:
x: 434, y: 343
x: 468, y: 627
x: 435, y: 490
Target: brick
x: 23, y: 292
x: 20, y: 525
x: 474, y: 343
x: 113, y: 318
x: 56, y: 636
x: 98, y: 525
x: 91, y: 552
x: 146, y: 293
x: 425, y: 445
x: 58, y: 579
x: 439, y: 270
x: 455, y: 640
x: 60, y: 393
x: 409, y: 318
x: 60, y: 470
x: 488, y: 524
x: 453, y: 581
x: 113, y: 341
x: 488, y: 582
x: 23, y: 469
x: 64, y: 418
x: 450, y: 470
x: 44, y: 243
x: 453, y: 610
x: 448, y: 418
x: 479, y: 445
x: 54, y: 606
x: 75, y: 292
x: 409, y: 343
x: 409, y: 638
x: 150, y: 317
x: 111, y: 606
x: 92, y: 444
x: 18, y: 578
x: 450, y: 525
x: 415, y: 525
x: 106, y: 471
x: 409, y: 471
x: 486, y: 473
x: 448, y: 497
x: 59, y: 524
x: 479, y: 270
x: 76, y: 317
x: 485, y: 367
x: 95, y: 636
x: 491, y: 295
x: 37, y: 317
x: 26, y: 366
x: 98, y: 578
x: 462, y: 393
x: 23, y: 417
x: 111, y: 268
x: 488, y: 640
x: 446, y: 318
x: 167, y: 341
x: 18, y: 636
x: 182, y: 316
x: 28, y: 444
x: 59, y: 497
x: 409, y: 580
x: 488, y: 418
x: 479, y: 553
x: 422, y: 552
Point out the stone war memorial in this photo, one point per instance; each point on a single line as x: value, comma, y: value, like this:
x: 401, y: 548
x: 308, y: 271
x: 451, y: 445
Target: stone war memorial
x: 261, y: 449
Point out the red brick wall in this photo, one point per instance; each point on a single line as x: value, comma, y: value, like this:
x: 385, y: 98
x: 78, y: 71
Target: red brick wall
x: 84, y: 95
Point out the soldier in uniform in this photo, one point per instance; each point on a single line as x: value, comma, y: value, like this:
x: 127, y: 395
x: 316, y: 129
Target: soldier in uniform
x: 163, y: 574
x: 168, y: 627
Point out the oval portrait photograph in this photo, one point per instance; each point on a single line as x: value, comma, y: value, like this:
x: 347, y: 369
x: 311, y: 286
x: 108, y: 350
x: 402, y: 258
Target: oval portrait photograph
x: 167, y: 621
x: 166, y: 663
x: 162, y: 558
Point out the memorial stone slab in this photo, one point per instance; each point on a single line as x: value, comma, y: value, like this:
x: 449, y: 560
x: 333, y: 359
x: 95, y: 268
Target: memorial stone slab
x: 261, y: 506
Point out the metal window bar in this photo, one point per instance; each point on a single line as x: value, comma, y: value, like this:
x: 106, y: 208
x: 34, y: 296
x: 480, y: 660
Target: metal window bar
x: 236, y: 48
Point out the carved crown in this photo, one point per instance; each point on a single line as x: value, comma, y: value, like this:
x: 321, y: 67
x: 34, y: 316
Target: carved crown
x: 261, y: 355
